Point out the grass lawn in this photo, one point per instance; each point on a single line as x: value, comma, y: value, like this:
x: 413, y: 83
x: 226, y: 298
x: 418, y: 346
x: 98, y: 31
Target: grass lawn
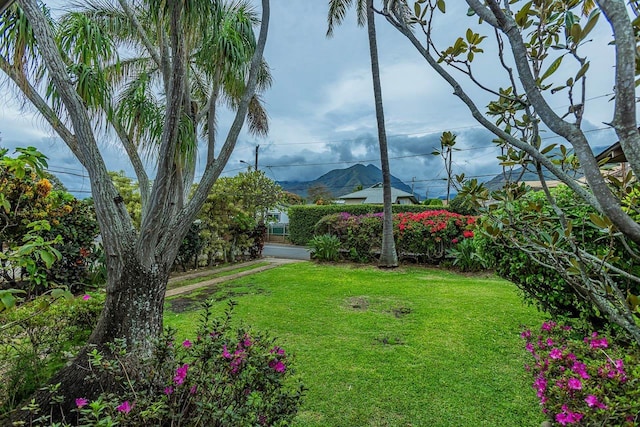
x: 404, y: 347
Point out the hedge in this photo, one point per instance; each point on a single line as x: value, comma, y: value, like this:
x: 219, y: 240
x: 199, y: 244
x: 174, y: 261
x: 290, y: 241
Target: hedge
x: 303, y: 218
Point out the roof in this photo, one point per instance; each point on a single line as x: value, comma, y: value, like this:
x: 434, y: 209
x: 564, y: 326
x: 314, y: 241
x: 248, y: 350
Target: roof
x: 373, y: 195
x: 614, y: 154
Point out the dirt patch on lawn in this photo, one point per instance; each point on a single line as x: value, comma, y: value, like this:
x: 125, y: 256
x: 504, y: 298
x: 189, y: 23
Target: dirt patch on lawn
x: 400, y: 312
x: 358, y: 303
x: 193, y: 301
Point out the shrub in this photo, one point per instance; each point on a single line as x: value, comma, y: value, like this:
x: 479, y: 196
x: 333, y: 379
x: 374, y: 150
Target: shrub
x: 302, y: 219
x: 586, y: 382
x: 325, y: 247
x: 544, y: 286
x: 424, y: 235
x: 222, y: 377
x: 465, y: 256
x: 429, y: 234
x: 35, y: 338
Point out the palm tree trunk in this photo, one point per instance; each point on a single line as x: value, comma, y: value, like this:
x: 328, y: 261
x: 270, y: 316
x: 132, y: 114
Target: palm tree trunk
x: 388, y: 255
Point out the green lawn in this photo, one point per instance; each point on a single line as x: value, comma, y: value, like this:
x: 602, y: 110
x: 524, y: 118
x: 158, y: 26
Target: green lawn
x: 404, y: 347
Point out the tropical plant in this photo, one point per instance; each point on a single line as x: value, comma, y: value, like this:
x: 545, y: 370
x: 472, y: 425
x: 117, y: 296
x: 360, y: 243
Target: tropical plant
x: 151, y: 74
x: 365, y: 14
x: 325, y: 247
x: 466, y: 257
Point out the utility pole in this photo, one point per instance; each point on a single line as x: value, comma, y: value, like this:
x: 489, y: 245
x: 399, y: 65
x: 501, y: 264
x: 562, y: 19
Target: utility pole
x: 256, y: 164
x: 413, y: 184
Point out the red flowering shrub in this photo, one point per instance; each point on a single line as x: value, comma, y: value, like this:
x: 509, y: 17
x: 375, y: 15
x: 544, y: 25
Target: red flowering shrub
x: 431, y: 233
x: 425, y: 235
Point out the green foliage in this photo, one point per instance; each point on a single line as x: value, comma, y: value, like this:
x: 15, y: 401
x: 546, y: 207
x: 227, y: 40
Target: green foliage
x: 48, y: 232
x: 542, y: 285
x: 587, y: 381
x: 130, y: 193
x: 191, y: 247
x: 303, y: 219
x: 466, y: 257
x: 224, y: 376
x: 35, y: 338
x: 433, y: 202
x: 232, y: 218
x: 325, y: 247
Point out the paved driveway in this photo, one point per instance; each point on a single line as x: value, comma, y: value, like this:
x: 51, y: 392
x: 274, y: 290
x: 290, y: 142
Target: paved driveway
x: 285, y: 251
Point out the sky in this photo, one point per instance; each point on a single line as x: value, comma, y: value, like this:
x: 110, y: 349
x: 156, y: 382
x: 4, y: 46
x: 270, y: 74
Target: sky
x: 321, y: 106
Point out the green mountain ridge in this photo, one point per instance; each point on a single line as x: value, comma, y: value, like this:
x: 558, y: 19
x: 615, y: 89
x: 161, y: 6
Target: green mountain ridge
x: 344, y: 181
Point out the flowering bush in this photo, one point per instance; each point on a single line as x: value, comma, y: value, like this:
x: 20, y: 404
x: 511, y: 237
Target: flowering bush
x: 222, y: 377
x: 425, y: 235
x: 588, y: 382
x: 430, y: 233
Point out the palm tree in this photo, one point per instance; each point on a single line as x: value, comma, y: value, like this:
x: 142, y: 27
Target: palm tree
x: 365, y: 13
x: 148, y: 74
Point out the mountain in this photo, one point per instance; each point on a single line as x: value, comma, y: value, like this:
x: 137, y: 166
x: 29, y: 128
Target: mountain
x: 344, y: 181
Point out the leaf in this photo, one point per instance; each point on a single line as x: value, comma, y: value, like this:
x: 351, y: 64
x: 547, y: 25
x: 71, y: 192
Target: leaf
x: 552, y: 69
x: 582, y: 70
x: 598, y: 220
x: 548, y: 148
x: 591, y: 22
x: 47, y: 257
x: 441, y: 6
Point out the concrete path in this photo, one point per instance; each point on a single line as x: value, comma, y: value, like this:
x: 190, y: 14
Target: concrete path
x: 273, y: 263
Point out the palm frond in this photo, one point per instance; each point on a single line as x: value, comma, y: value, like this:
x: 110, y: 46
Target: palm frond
x: 257, y: 117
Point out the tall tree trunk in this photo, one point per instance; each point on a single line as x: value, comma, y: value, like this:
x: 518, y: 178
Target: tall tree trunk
x: 388, y: 255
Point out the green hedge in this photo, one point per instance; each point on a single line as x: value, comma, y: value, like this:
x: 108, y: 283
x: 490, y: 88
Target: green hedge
x: 303, y: 218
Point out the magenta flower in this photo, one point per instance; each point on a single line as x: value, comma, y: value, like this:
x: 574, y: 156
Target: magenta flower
x: 574, y: 384
x: 593, y: 401
x: 125, y: 407
x: 525, y: 334
x: 247, y: 341
x: 580, y: 369
x: 181, y: 374
x: 567, y: 417
x: 86, y: 297
x: 168, y: 390
x: 556, y: 353
x: 277, y: 366
x: 193, y: 389
x: 277, y: 350
x: 80, y: 402
x: 547, y: 326
x: 225, y: 352
x: 186, y: 344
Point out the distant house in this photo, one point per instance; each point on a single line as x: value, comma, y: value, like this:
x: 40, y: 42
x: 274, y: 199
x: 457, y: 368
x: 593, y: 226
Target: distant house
x: 373, y: 196
x: 616, y: 161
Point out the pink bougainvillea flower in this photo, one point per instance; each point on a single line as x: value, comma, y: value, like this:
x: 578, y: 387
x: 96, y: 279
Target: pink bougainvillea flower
x: 186, y: 344
x: 574, y: 384
x: 525, y: 334
x: 125, y: 407
x: 81, y: 401
x: 86, y: 297
x: 567, y: 417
